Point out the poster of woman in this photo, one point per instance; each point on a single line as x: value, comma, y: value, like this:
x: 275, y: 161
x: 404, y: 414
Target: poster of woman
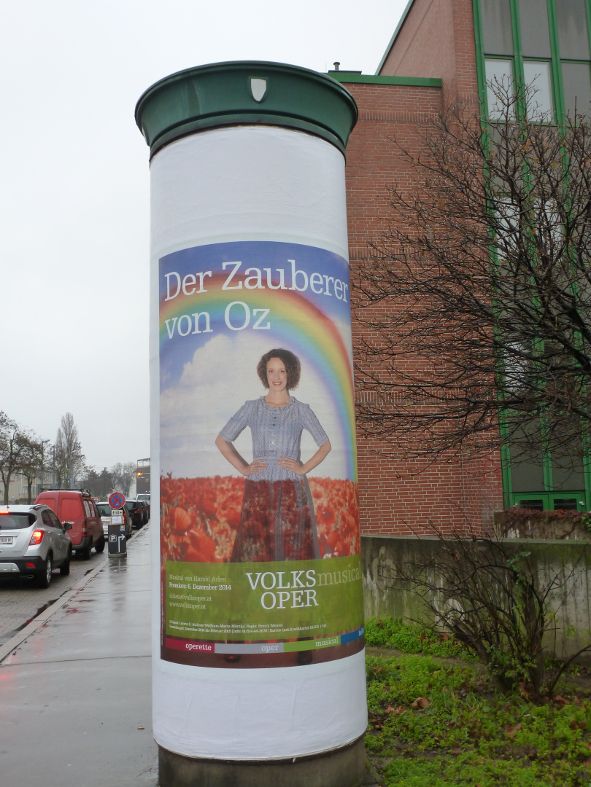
x: 277, y: 521
x: 259, y: 520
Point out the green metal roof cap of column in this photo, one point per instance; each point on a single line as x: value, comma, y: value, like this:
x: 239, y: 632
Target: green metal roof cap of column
x: 245, y: 93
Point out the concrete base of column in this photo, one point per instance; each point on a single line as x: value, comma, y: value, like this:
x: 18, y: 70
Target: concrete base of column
x: 344, y: 767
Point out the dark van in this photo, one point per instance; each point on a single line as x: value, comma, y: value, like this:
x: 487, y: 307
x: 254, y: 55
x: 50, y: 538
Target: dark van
x: 77, y: 507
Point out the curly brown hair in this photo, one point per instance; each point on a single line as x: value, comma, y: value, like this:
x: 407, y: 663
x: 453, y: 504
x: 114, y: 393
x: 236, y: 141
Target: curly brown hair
x: 290, y: 361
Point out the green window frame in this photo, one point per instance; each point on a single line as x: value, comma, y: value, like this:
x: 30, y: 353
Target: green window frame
x: 556, y: 60
x: 550, y: 501
x: 548, y: 497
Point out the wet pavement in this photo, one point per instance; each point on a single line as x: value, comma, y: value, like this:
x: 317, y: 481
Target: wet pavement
x: 21, y: 601
x: 75, y: 684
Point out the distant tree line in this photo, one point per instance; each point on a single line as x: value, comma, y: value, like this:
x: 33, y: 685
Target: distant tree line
x: 117, y: 478
x: 60, y: 463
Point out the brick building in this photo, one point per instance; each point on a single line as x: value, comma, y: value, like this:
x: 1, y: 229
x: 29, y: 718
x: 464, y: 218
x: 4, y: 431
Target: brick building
x: 443, y: 51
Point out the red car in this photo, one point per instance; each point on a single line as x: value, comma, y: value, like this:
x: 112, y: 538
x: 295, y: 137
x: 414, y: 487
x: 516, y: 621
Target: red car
x: 77, y: 507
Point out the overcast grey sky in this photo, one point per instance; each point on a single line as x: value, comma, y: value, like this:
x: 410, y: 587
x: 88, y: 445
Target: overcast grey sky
x: 74, y: 184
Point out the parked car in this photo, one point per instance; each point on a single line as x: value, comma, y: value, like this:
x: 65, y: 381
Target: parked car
x: 79, y: 509
x: 144, y: 497
x: 33, y: 542
x: 145, y: 511
x: 137, y: 512
x: 104, y: 510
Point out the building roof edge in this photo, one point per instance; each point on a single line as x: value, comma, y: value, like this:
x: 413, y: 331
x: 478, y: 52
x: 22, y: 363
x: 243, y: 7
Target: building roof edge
x: 401, y: 21
x: 356, y: 78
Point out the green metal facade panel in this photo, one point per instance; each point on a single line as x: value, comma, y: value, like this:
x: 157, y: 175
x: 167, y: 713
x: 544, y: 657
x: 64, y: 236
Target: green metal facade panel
x: 556, y: 59
x: 222, y: 94
x: 548, y: 495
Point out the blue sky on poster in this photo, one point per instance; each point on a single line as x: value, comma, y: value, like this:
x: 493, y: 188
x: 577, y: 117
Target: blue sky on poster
x: 294, y: 263
x: 198, y: 356
x: 194, y: 410
x: 75, y: 185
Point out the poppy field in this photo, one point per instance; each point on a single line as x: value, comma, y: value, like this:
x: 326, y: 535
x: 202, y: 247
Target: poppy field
x: 199, y: 517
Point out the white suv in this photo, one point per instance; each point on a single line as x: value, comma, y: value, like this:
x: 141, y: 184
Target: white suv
x: 104, y: 510
x: 33, y: 542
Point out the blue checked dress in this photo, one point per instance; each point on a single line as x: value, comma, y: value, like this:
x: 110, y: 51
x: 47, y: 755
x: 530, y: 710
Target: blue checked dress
x: 277, y: 520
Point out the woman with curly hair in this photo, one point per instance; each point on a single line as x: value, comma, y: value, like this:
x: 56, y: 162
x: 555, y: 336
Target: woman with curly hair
x: 277, y: 520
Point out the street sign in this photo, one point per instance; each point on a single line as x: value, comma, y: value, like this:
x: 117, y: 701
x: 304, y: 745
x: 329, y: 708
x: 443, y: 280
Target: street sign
x: 116, y: 500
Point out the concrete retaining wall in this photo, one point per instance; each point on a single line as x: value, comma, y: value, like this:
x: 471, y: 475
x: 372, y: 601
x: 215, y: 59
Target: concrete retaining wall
x: 386, y: 595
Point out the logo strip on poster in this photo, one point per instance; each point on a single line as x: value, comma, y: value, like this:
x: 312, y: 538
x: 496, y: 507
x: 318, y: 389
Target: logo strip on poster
x: 263, y: 647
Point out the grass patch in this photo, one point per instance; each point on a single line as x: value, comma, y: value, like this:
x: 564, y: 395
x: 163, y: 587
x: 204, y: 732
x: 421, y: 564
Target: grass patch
x: 435, y: 719
x: 409, y: 638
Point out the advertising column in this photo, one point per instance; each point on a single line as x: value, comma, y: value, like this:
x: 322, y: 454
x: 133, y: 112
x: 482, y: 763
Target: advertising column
x: 258, y: 615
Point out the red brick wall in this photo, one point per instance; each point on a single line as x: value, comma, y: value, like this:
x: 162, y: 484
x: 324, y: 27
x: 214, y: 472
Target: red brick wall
x: 437, y: 40
x: 399, y: 496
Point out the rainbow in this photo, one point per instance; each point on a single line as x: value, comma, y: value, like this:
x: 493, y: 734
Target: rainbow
x: 297, y: 324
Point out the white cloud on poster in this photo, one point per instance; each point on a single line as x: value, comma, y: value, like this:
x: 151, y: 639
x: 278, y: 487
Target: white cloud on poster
x: 220, y: 377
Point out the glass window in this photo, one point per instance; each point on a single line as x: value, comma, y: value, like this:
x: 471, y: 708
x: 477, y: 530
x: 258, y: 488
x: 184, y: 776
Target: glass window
x: 496, y: 27
x: 577, y: 88
x: 548, y: 227
x: 538, y: 83
x: 571, y: 20
x: 567, y: 460
x: 16, y: 521
x: 527, y: 472
x: 565, y: 504
x: 517, y: 366
x: 55, y: 521
x: 533, y: 505
x: 507, y: 226
x: 535, y: 37
x: 499, y: 88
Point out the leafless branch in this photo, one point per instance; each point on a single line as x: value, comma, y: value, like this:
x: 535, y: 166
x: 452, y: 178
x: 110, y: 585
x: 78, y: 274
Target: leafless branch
x: 475, y: 306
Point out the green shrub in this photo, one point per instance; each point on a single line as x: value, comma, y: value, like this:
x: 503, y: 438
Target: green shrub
x: 411, y: 638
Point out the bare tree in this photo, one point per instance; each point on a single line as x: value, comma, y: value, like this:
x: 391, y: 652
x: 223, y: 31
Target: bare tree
x: 68, y: 456
x: 475, y: 309
x: 95, y: 482
x: 31, y: 462
x: 123, y: 474
x: 14, y: 441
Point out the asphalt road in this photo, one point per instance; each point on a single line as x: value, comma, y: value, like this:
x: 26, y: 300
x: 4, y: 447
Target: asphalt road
x: 21, y: 601
x: 75, y: 707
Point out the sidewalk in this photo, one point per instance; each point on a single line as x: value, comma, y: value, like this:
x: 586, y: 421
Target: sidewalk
x: 75, y: 685
x: 75, y: 693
